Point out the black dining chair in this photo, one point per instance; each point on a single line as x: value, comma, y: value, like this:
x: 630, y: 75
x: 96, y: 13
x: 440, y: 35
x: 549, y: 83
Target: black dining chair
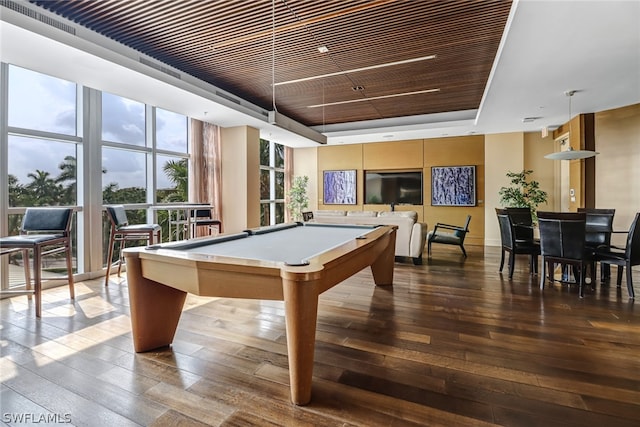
x: 599, y: 228
x: 517, y: 244
x: 44, y: 231
x: 563, y: 241
x: 624, y: 259
x: 122, y: 232
x: 522, y: 220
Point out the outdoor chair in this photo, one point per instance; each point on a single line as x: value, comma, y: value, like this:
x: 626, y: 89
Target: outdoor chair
x: 121, y: 231
x: 45, y: 232
x: 203, y: 219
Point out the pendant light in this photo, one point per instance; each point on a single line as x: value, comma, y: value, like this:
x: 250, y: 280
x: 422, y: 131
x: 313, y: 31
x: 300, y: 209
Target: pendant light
x: 570, y: 153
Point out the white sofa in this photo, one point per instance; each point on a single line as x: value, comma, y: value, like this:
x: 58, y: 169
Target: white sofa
x: 410, y: 236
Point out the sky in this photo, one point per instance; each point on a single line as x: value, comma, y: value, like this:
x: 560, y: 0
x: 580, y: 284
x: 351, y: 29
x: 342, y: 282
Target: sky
x: 44, y: 103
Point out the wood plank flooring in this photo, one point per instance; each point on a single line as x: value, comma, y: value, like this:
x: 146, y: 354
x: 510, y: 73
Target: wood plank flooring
x: 451, y: 343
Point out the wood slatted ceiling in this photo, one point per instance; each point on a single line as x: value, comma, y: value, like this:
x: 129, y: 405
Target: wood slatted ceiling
x: 229, y: 43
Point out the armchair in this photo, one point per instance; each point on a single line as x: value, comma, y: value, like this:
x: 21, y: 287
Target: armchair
x: 448, y: 234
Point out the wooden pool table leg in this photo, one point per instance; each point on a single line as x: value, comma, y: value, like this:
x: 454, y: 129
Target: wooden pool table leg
x: 382, y: 267
x: 301, y: 311
x: 155, y: 308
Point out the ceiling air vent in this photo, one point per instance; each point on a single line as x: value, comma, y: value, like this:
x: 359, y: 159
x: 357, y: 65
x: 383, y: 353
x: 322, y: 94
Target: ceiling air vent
x: 228, y: 97
x: 20, y: 8
x: 160, y: 68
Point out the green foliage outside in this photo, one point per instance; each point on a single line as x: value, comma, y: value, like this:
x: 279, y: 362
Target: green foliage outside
x: 43, y: 189
x: 298, y: 199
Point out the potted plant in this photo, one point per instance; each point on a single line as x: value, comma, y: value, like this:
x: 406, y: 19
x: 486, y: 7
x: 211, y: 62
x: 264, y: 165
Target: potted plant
x: 523, y: 193
x: 297, y: 197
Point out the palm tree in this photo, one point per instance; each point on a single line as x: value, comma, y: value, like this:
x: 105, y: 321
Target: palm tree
x: 69, y: 176
x: 43, y: 189
x: 178, y: 173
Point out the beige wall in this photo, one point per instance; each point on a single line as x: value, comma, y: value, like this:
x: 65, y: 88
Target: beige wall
x: 240, y: 151
x: 410, y: 155
x: 504, y: 153
x: 305, y: 162
x: 618, y: 164
x: 340, y: 157
x: 617, y: 172
x: 457, y: 151
x: 544, y: 170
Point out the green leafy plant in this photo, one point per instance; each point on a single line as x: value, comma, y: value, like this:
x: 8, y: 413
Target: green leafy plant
x: 297, y: 197
x: 523, y: 193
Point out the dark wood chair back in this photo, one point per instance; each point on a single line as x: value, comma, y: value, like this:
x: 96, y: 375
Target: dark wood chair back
x: 523, y: 223
x: 562, y: 234
x: 599, y: 226
x: 562, y: 240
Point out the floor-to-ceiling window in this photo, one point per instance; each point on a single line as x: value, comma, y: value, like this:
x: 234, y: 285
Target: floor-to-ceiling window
x: 271, y: 183
x: 141, y: 157
x: 43, y: 143
x: 144, y: 160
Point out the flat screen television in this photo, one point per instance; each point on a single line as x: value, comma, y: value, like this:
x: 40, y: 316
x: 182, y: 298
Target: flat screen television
x: 393, y: 187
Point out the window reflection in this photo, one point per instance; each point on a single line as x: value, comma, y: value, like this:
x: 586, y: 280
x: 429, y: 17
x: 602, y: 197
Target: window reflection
x: 41, y: 102
x: 124, y: 178
x: 41, y: 172
x: 171, y: 131
x: 122, y: 120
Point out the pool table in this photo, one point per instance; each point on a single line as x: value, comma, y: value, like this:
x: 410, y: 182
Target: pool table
x: 293, y: 263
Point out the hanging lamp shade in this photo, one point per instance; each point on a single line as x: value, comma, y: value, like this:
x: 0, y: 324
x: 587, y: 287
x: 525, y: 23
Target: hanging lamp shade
x: 570, y: 153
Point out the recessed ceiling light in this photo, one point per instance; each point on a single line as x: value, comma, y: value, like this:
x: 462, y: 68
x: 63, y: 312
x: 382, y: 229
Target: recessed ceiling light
x: 323, y: 49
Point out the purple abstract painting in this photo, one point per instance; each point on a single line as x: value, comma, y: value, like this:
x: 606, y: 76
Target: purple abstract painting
x: 339, y: 187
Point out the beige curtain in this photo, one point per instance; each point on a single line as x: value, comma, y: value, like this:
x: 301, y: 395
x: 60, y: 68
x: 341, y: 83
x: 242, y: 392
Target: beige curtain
x: 288, y: 180
x: 205, y: 169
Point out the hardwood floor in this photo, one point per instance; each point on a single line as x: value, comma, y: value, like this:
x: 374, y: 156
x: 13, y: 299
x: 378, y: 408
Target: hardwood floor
x: 451, y: 343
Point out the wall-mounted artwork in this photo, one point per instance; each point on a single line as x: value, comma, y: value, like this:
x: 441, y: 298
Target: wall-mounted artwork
x: 339, y: 187
x: 453, y: 186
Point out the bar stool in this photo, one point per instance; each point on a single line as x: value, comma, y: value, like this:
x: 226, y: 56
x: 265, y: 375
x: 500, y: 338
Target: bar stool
x: 203, y: 218
x: 122, y: 231
x: 45, y: 231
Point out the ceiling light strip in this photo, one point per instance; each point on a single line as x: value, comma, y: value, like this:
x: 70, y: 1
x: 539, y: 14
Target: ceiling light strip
x: 375, y: 97
x: 355, y: 70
